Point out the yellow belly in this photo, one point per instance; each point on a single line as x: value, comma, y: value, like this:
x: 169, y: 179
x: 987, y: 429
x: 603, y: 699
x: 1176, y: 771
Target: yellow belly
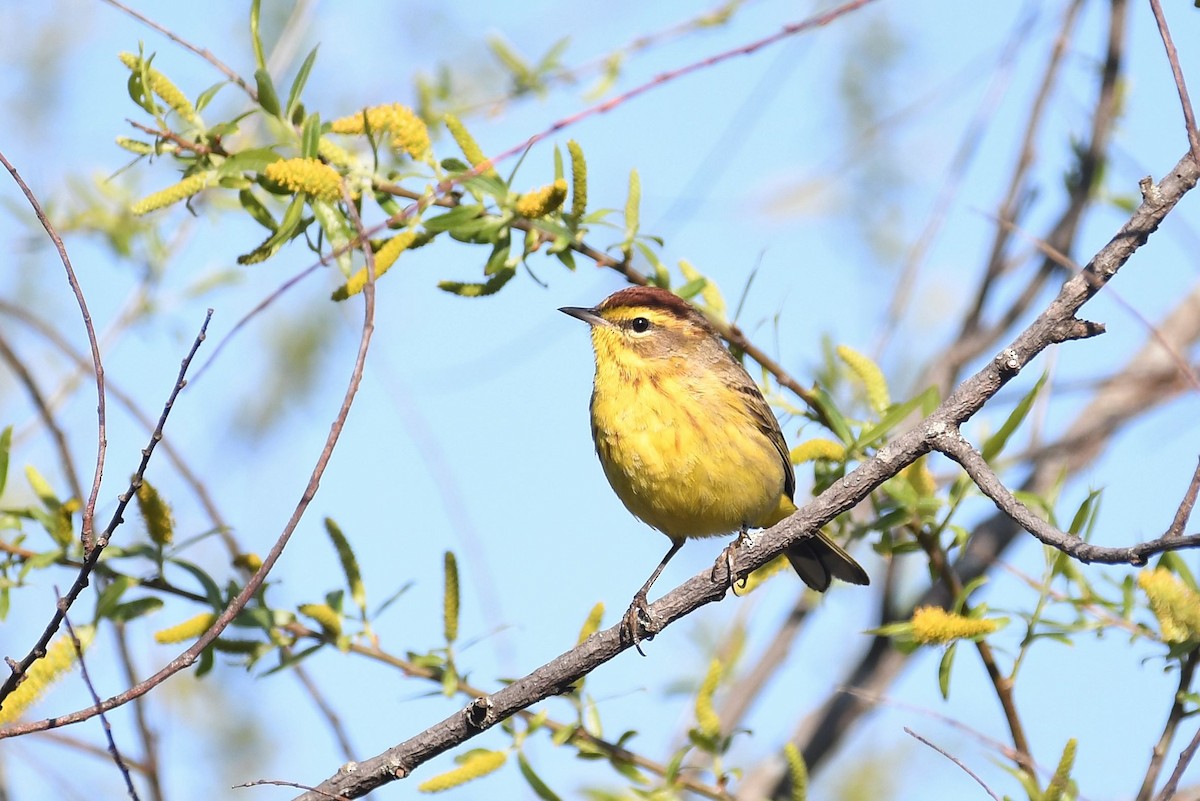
x: 683, y: 461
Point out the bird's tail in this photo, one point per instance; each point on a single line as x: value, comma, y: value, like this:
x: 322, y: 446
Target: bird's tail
x: 817, y: 559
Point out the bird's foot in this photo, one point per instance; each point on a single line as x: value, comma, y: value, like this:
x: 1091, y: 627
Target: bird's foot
x: 635, y: 617
x: 744, y: 538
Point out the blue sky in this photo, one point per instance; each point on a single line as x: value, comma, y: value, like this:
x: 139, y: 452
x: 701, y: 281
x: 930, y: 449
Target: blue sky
x: 471, y: 431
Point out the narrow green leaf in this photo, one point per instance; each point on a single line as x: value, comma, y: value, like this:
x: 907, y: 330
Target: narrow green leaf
x: 474, y: 290
x: 208, y: 94
x: 453, y: 218
x: 257, y: 211
x: 692, y: 288
x: 253, y: 160
x: 111, y: 595
x: 266, y: 92
x: 212, y: 592
x: 5, y: 450
x: 300, y: 80
x: 358, y: 592
x: 310, y: 136
x: 632, y: 208
x: 896, y: 414
x: 260, y: 60
x: 539, y: 787
x: 944, y: 670
x: 994, y: 444
x: 129, y: 610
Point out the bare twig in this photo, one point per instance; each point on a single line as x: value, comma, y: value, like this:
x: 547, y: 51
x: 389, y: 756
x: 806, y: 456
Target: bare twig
x: 1178, y: 710
x: 1189, y: 114
x: 1185, y: 506
x: 145, y: 730
x: 953, y: 759
x: 89, y: 508
x: 93, y: 556
x: 953, y: 444
x: 1185, y: 759
x: 113, y: 751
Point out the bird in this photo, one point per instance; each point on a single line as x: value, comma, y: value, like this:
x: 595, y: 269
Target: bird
x: 686, y: 439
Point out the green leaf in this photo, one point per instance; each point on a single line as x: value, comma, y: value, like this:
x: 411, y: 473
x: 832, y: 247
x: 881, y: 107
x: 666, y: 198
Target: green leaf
x: 994, y: 444
x: 111, y: 596
x: 453, y: 218
x: 266, y: 92
x: 208, y: 94
x: 140, y: 93
x: 498, y: 261
x: 260, y: 59
x: 358, y: 592
x: 692, y: 288
x: 212, y: 592
x: 895, y: 415
x: 300, y: 80
x: 5, y: 450
x: 257, y: 211
x: 310, y: 136
x: 539, y: 787
x: 129, y: 610
x: 472, y: 290
x: 632, y: 211
x: 288, y: 228
x: 253, y: 160
x: 944, y: 671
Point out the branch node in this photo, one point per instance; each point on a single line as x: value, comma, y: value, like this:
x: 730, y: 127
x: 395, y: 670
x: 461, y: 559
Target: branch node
x: 1151, y: 194
x: 479, y: 712
x: 348, y: 768
x: 1075, y: 328
x: 1008, y: 361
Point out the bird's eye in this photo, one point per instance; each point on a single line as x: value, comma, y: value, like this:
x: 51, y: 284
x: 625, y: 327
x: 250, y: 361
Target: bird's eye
x: 640, y: 325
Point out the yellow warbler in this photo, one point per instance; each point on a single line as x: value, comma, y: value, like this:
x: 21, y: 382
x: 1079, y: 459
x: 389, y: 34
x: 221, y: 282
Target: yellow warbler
x: 685, y: 437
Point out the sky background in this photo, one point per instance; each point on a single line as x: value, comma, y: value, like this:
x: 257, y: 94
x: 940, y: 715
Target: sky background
x: 471, y: 431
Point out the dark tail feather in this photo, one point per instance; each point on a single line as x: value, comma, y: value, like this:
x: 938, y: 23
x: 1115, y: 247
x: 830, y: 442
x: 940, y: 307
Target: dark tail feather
x: 818, y: 560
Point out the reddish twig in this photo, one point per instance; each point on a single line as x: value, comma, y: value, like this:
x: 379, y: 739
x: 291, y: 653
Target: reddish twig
x: 113, y: 751
x: 1185, y: 759
x: 89, y: 509
x: 953, y: 759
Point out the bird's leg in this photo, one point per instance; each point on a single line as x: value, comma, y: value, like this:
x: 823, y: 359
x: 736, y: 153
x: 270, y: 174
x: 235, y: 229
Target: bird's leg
x: 639, y: 609
x: 745, y: 538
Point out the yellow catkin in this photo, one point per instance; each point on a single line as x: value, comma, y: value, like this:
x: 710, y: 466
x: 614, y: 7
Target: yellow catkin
x: 797, y: 771
x: 932, y: 625
x: 760, y: 576
x: 172, y: 194
x: 135, y: 146
x: 543, y: 201
x: 161, y: 85
x: 189, y: 629
x: 312, y: 176
x: 592, y: 624
x: 60, y: 657
x: 409, y: 131
x: 156, y: 513
x: 385, y: 257
x: 1175, y: 605
x: 706, y: 716
x: 450, y: 597
x: 334, y: 153
x: 478, y: 764
x: 323, y: 614
x: 1057, y: 788
x: 814, y: 449
x: 578, y: 181
x: 869, y: 373
x: 467, y: 144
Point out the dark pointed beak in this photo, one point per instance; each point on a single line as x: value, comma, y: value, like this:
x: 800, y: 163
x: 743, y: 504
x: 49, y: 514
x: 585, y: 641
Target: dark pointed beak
x: 589, y: 316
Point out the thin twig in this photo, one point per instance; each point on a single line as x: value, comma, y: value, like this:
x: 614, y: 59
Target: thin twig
x: 953, y: 759
x: 952, y: 443
x: 1185, y: 506
x: 1179, y: 706
x: 108, y: 735
x: 93, y: 557
x: 89, y: 508
x: 145, y: 730
x: 1189, y: 114
x: 1185, y: 759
